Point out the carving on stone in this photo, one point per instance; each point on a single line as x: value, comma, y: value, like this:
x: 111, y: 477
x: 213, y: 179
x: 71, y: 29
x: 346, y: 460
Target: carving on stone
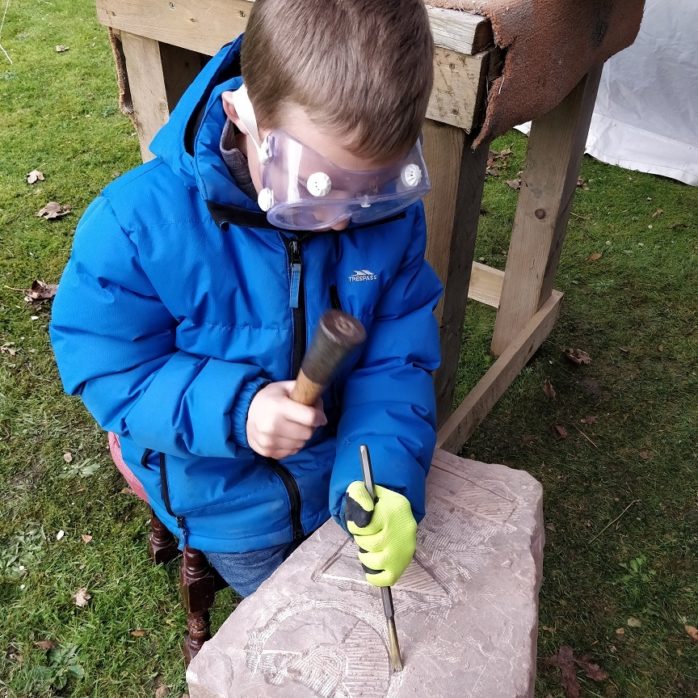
x: 452, y: 541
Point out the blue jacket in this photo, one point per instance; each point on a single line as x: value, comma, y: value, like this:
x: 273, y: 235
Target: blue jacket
x: 176, y: 306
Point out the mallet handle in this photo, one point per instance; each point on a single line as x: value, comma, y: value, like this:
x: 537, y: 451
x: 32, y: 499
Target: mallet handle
x: 337, y: 334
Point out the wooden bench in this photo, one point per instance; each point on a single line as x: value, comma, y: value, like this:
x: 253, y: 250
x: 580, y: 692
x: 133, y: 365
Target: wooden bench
x: 161, y: 45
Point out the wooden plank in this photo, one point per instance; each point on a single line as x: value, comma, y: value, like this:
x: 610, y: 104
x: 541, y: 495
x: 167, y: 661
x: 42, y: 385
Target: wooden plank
x: 147, y: 84
x: 205, y: 25
x: 458, y: 175
x: 485, y: 284
x: 480, y: 400
x: 460, y: 31
x: 179, y: 66
x: 458, y: 95
x: 548, y: 183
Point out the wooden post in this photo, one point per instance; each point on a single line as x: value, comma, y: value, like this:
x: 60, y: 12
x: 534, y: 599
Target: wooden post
x: 555, y: 149
x: 458, y: 175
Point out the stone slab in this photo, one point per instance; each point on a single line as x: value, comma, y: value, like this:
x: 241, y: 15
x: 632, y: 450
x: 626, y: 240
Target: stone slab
x: 466, y: 609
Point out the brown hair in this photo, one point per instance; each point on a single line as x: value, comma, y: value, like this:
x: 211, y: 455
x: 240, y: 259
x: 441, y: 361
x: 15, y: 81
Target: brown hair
x: 363, y: 68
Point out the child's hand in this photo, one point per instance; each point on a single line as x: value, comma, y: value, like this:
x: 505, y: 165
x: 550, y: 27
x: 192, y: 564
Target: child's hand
x: 385, y: 532
x: 276, y: 425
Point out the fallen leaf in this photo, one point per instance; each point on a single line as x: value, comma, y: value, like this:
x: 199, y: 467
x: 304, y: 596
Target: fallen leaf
x: 551, y: 527
x: 577, y: 356
x: 86, y: 538
x: 692, y: 632
x: 589, y: 420
x: 594, y: 256
x: 60, y: 534
x: 560, y: 431
x: 657, y: 213
x: 62, y: 49
x: 514, y: 183
x: 161, y: 691
x: 81, y: 597
x: 564, y: 661
x: 528, y: 439
x: 138, y: 632
x: 645, y: 455
x: 549, y: 389
x: 40, y: 291
x: 45, y: 645
x: 592, y: 670
x: 620, y: 632
x: 53, y: 210
x: 633, y: 622
x: 35, y: 176
x: 8, y: 348
x: 126, y: 490
x: 68, y: 457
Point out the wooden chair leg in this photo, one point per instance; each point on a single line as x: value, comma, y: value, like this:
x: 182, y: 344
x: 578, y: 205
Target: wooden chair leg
x: 198, y: 584
x: 162, y: 545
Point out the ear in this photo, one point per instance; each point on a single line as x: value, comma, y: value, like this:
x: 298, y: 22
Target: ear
x: 231, y: 112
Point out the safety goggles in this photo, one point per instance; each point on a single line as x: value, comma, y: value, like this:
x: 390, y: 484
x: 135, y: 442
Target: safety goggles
x: 303, y: 190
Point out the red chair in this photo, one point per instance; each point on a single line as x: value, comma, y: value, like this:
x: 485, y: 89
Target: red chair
x: 198, y: 581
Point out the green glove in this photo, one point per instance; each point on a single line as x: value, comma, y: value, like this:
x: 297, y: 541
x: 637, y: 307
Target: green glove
x: 385, y: 532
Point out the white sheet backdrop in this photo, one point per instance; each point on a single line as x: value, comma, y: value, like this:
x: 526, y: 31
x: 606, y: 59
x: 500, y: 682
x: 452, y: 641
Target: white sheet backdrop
x: 646, y: 113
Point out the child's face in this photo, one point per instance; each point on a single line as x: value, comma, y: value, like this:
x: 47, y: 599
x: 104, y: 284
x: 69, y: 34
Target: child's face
x: 297, y: 123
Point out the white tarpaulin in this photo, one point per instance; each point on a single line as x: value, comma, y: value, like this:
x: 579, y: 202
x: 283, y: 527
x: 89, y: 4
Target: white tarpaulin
x: 646, y: 113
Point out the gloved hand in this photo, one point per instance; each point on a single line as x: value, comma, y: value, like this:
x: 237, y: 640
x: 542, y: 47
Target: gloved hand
x: 386, y: 531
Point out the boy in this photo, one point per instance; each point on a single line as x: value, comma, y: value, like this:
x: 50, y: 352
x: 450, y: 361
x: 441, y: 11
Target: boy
x: 184, y: 311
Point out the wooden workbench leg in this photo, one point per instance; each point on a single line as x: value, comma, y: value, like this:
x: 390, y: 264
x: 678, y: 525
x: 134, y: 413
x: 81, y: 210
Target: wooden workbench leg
x: 555, y: 149
x: 157, y: 75
x: 458, y: 174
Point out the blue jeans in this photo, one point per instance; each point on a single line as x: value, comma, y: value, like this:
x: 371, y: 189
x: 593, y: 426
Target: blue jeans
x: 244, y: 572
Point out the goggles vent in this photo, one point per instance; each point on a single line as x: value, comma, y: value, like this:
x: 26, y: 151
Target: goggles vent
x: 319, y: 184
x: 265, y: 199
x: 411, y: 175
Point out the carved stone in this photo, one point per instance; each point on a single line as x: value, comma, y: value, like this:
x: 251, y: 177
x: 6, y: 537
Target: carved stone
x: 465, y: 609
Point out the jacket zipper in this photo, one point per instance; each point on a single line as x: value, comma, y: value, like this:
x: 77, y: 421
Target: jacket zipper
x: 296, y: 302
x: 165, y: 491
x: 294, y: 497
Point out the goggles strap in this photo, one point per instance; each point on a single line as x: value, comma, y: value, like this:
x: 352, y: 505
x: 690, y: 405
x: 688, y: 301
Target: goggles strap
x: 243, y: 106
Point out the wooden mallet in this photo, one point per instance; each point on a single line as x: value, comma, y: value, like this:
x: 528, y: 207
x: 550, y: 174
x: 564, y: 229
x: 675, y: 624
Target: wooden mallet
x: 337, y: 334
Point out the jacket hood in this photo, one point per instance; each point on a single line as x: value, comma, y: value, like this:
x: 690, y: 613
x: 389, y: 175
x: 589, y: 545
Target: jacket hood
x: 189, y: 143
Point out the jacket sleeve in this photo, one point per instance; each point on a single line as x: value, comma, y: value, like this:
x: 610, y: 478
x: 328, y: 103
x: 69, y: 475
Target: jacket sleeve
x: 389, y: 401
x: 114, y: 342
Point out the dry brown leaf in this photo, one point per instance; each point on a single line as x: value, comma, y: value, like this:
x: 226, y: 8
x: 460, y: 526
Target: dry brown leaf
x: 564, y: 661
x: 594, y: 256
x: 68, y: 457
x: 40, y: 291
x: 692, y: 632
x: 82, y: 597
x: 560, y: 431
x: 591, y: 419
x: 582, y: 184
x: 45, y: 645
x: 528, y: 439
x: 620, y: 632
x: 577, y: 356
x: 86, y: 538
x: 62, y: 49
x: 549, y: 389
x: 53, y: 210
x: 138, y: 632
x: 161, y: 691
x: 657, y: 213
x: 126, y: 490
x: 35, y: 176
x: 514, y: 183
x: 645, y: 455
x: 8, y: 348
x: 592, y: 670
x: 633, y: 622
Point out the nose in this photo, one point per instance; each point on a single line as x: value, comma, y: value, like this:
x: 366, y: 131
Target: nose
x: 341, y: 225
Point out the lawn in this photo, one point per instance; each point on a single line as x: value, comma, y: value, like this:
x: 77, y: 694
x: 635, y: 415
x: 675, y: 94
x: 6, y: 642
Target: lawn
x: 623, y: 593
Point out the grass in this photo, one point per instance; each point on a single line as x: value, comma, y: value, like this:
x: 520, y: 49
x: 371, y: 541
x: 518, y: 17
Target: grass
x: 633, y: 310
